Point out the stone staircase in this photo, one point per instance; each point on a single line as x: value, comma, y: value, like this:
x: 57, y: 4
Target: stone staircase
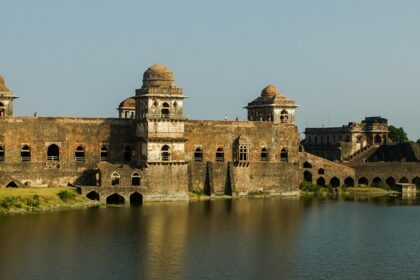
x: 362, y: 155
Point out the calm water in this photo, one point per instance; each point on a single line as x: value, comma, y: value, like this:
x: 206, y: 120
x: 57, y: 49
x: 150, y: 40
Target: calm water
x: 226, y: 239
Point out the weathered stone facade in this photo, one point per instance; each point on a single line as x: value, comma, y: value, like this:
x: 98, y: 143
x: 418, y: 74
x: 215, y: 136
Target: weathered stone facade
x: 158, y: 154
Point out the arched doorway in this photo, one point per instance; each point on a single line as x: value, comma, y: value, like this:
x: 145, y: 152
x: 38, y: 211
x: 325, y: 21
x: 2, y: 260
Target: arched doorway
x: 321, y: 171
x: 320, y: 182
x: 390, y: 181
x: 378, y: 140
x: 12, y: 185
x: 363, y: 181
x: 136, y: 199
x: 349, y: 182
x: 53, y: 153
x: 93, y: 195
x: 335, y: 182
x: 115, y: 199
x: 376, y: 182
x: 307, y: 176
x: 404, y: 180
x: 416, y: 181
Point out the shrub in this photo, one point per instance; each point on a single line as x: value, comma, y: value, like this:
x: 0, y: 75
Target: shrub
x: 66, y: 195
x: 308, y: 187
x: 33, y: 201
x: 197, y: 192
x: 8, y: 202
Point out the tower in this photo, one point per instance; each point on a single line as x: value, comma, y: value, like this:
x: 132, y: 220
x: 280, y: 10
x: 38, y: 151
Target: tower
x: 6, y: 99
x: 272, y: 106
x: 161, y: 121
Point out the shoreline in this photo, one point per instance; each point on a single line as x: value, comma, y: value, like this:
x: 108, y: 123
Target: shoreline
x: 22, y: 201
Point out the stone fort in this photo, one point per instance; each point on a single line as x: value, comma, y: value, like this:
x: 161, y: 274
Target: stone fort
x: 154, y: 152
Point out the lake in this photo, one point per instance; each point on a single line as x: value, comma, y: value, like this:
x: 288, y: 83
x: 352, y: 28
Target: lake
x: 222, y: 239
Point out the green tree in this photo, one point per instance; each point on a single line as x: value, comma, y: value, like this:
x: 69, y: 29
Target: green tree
x: 397, y: 134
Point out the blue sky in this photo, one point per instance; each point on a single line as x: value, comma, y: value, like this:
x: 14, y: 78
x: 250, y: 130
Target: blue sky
x: 340, y: 60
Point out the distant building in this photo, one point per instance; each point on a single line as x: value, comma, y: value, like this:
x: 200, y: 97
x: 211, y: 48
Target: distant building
x: 343, y: 143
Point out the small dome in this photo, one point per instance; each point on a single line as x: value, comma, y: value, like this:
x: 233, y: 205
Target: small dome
x: 270, y: 90
x: 158, y: 75
x: 129, y: 102
x: 3, y: 84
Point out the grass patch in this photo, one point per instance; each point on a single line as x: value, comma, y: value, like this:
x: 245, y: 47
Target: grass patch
x: 21, y: 200
x: 197, y: 192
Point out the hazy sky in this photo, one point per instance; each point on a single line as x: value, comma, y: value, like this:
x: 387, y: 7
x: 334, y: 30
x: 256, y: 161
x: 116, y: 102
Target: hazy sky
x: 340, y: 60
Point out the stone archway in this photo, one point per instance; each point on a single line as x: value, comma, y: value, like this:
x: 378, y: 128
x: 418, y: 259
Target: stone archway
x: 12, y: 185
x: 136, y: 199
x: 349, y: 182
x: 376, y: 182
x: 363, y: 181
x: 416, y: 181
x: 307, y: 176
x: 93, y: 195
x: 404, y: 180
x: 390, y: 181
x: 320, y: 182
x: 115, y: 199
x: 335, y: 182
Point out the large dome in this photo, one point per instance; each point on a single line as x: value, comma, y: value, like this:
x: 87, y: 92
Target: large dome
x: 3, y: 84
x: 158, y: 75
x: 270, y: 91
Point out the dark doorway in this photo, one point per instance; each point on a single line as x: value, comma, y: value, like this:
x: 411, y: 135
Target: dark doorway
x: 307, y: 176
x: 335, y: 182
x: 136, y: 199
x: 349, y: 182
x: 364, y: 181
x: 135, y: 179
x: 416, y: 181
x: 404, y: 180
x: 320, y: 182
x: 12, y: 185
x: 93, y: 195
x: 321, y: 171
x: 115, y: 199
x: 378, y: 140
x: 376, y: 182
x: 390, y: 181
x: 307, y: 165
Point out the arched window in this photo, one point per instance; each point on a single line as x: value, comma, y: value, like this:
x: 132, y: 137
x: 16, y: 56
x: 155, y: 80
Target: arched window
x: 53, y: 153
x: 316, y: 139
x: 104, y: 153
x: 165, y: 153
x: 220, y: 155
x: 25, y: 153
x: 127, y: 153
x: 243, y: 153
x: 307, y: 165
x: 115, y: 179
x: 198, y: 154
x: 135, y: 179
x: 309, y: 139
x: 79, y: 154
x: 165, y: 110
x: 284, y: 116
x: 1, y: 153
x: 284, y: 155
x: 264, y: 154
x: 321, y: 171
